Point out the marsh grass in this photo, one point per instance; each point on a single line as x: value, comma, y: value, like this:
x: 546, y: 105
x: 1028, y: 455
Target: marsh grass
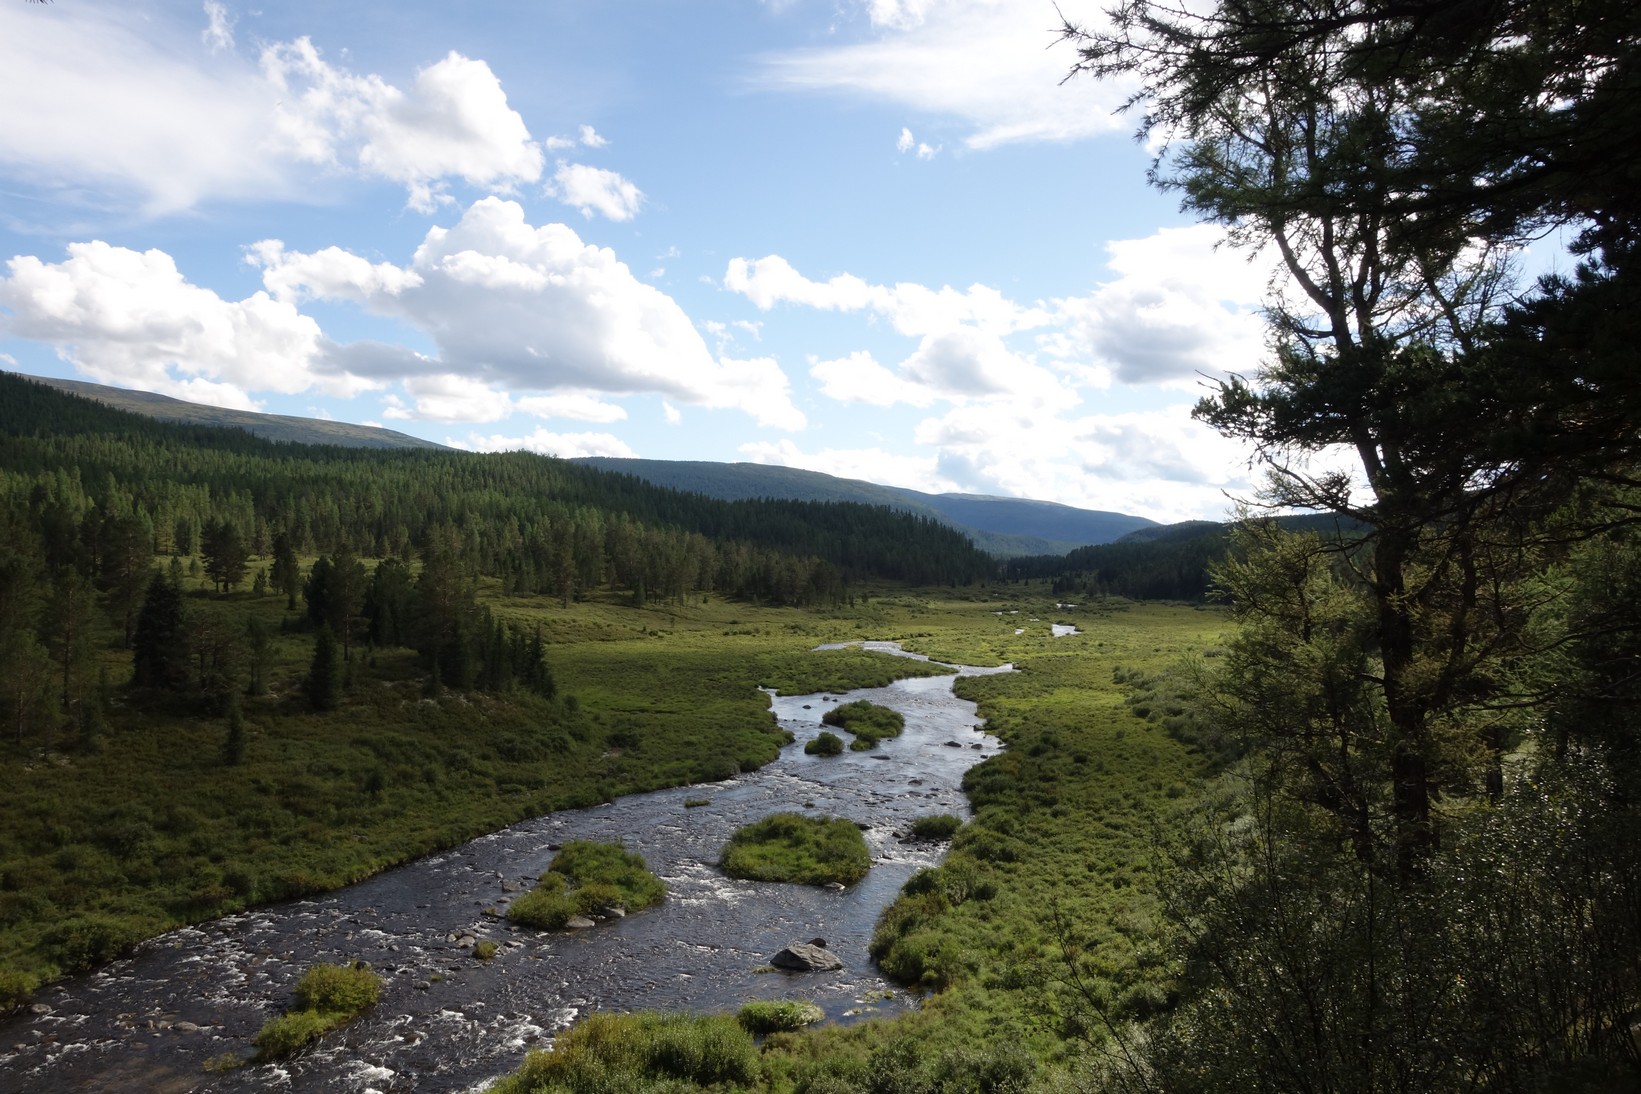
x: 327, y: 997
x: 791, y: 847
x: 765, y: 1016
x: 644, y: 1053
x: 867, y: 721
x: 588, y: 878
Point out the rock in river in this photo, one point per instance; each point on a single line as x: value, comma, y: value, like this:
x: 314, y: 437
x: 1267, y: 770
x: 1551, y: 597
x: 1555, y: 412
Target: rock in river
x: 806, y: 957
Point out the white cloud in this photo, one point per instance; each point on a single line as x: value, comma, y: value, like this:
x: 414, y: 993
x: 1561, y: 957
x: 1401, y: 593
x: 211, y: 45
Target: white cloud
x: 449, y: 398
x: 453, y: 123
x: 990, y: 63
x: 278, y: 125
x: 218, y: 34
x: 1182, y: 304
x: 567, y: 446
x: 531, y: 309
x: 590, y: 137
x: 906, y: 142
x: 130, y: 318
x: 671, y: 413
x: 962, y: 352
x: 576, y: 405
x: 592, y: 190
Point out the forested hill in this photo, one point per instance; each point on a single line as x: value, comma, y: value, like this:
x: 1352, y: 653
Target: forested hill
x: 1003, y: 526
x: 273, y: 427
x: 537, y: 523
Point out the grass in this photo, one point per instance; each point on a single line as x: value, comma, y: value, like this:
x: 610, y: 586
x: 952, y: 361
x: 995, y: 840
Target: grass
x: 868, y: 722
x: 824, y: 744
x: 645, y: 1053
x: 588, y: 879
x: 936, y: 827
x: 766, y: 1016
x: 327, y: 997
x: 795, y: 848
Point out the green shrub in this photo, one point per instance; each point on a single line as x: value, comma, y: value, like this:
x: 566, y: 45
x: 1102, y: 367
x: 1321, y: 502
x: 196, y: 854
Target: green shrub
x: 484, y: 949
x: 938, y: 826
x: 287, y: 1033
x: 338, y: 989
x: 795, y: 848
x: 587, y: 878
x: 82, y: 941
x: 638, y: 1054
x: 869, y: 722
x: 774, y: 1016
x: 827, y: 744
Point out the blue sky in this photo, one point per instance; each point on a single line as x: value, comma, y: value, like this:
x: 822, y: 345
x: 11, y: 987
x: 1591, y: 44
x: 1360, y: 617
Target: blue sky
x: 875, y: 238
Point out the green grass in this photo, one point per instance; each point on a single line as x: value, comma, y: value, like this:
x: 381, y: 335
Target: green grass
x: 327, y: 997
x: 794, y: 848
x: 936, y: 827
x: 824, y: 744
x: 588, y: 878
x: 767, y: 1016
x: 868, y: 722
x: 645, y: 1053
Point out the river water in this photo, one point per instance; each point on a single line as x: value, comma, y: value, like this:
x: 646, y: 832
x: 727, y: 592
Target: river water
x: 448, y: 1022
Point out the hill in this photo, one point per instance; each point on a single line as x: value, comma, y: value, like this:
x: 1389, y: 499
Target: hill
x: 273, y: 427
x: 1003, y: 526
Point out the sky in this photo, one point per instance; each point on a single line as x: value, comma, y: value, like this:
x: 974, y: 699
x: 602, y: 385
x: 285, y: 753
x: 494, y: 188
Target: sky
x: 881, y: 239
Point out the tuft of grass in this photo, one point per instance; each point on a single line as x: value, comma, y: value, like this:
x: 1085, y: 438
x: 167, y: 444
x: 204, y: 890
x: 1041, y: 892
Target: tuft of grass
x: 868, y: 722
x: 588, y: 878
x: 936, y: 827
x: 327, y: 997
x: 484, y: 949
x: 696, y: 803
x: 767, y: 1016
x: 792, y: 847
x: 824, y: 744
x: 640, y: 1053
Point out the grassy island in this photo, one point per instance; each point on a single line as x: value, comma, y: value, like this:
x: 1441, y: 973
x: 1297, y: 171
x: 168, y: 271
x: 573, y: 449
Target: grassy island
x: 792, y: 847
x: 588, y: 878
x: 868, y: 722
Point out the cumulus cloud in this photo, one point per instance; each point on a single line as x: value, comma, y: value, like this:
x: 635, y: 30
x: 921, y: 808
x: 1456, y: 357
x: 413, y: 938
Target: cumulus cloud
x: 577, y: 405
x: 869, y: 464
x: 567, y: 446
x: 592, y: 190
x: 532, y: 309
x: 277, y: 123
x: 1182, y: 304
x: 449, y: 398
x: 992, y: 64
x: 131, y: 319
x: 962, y: 353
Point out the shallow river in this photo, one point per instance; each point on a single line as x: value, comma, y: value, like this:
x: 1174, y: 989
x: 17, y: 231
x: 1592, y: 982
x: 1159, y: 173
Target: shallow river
x: 447, y: 1022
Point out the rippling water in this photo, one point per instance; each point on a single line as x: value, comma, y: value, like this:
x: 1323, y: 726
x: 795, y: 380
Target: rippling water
x: 447, y: 1022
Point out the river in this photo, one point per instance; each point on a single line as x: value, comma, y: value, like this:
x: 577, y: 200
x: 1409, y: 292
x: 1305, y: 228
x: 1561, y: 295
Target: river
x: 448, y: 1022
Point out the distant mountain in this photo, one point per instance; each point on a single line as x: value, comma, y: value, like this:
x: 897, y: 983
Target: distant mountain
x: 1003, y: 526
x: 273, y: 427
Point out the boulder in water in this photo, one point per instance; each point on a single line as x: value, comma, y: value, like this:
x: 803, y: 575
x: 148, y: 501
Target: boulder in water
x: 806, y: 957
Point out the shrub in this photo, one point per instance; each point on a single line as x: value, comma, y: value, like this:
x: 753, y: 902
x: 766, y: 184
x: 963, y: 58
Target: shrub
x: 938, y: 826
x: 827, y: 744
x: 869, y: 722
x: 287, y: 1033
x: 484, y: 950
x: 775, y: 1016
x: 587, y: 878
x: 338, y: 989
x: 792, y: 847
x: 634, y: 1053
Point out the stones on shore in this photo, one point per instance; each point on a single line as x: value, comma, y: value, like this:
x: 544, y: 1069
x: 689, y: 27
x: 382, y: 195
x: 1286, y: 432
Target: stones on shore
x: 807, y: 957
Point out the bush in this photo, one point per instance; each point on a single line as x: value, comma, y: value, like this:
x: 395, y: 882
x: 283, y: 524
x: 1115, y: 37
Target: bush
x: 792, y: 847
x: 869, y: 722
x: 287, y: 1033
x: 775, y: 1016
x: 639, y: 1053
x: 338, y: 989
x: 588, y: 878
x: 827, y: 744
x: 484, y: 949
x: 82, y: 941
x: 938, y: 826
